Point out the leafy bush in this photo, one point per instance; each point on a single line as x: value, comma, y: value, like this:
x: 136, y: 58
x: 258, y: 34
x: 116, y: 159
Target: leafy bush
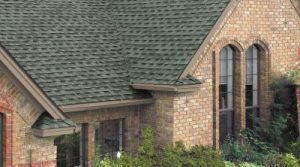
x: 240, y: 153
x: 197, y: 156
x: 295, y: 149
x: 145, y: 157
x: 230, y: 164
x: 172, y: 156
x: 266, y: 139
x: 146, y: 151
x: 282, y: 160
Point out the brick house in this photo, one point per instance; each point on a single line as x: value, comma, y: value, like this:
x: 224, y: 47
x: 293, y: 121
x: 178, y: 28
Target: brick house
x: 194, y: 70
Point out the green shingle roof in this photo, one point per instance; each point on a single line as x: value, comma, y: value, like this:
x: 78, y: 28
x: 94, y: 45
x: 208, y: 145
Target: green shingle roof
x: 161, y: 36
x: 84, y: 51
x: 45, y: 121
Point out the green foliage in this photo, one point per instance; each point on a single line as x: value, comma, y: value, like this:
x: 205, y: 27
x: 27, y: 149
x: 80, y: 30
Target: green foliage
x: 172, y: 156
x: 146, y: 150
x: 235, y: 152
x: 230, y: 164
x: 295, y: 149
x: 197, y: 156
x: 282, y: 160
x: 239, y: 153
x: 263, y: 144
x: 294, y: 74
x: 267, y: 136
x: 145, y: 158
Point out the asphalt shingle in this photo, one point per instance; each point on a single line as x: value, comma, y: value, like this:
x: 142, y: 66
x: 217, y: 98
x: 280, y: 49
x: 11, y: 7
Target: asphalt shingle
x: 84, y: 51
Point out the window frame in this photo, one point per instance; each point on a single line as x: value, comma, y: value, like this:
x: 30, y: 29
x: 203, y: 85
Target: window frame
x: 254, y: 107
x: 119, y: 135
x: 227, y: 112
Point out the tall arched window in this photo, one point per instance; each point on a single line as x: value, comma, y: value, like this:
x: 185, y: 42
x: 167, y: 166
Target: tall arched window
x: 226, y: 93
x: 252, y: 85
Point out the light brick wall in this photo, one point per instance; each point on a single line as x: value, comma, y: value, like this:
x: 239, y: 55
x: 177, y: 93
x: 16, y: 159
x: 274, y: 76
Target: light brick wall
x: 161, y: 116
x: 22, y: 148
x: 179, y: 117
x: 272, y: 24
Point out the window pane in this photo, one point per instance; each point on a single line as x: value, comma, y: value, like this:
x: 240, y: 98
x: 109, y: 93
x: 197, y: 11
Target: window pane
x: 223, y: 80
x: 109, y: 136
x: 226, y: 125
x: 224, y: 68
x: 226, y: 80
x: 223, y: 55
x: 249, y: 66
x: 251, y: 115
x: 252, y: 86
x: 226, y: 93
x: 249, y: 95
x: 249, y: 79
x: 223, y: 101
x: 229, y: 53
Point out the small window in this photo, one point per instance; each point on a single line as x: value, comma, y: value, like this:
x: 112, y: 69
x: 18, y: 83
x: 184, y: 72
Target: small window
x: 110, y: 136
x: 252, y: 85
x: 226, y: 120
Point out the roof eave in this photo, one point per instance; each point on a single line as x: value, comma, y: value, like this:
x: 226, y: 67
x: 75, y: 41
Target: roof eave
x: 167, y: 88
x: 108, y: 104
x: 54, y: 132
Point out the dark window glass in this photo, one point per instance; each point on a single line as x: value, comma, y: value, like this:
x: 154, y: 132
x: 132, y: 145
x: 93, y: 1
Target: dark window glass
x: 251, y: 114
x: 226, y: 121
x: 252, y: 85
x: 110, y: 136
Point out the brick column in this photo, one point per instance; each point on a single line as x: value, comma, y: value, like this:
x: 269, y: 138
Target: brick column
x: 298, y: 102
x: 239, y: 92
x: 90, y: 144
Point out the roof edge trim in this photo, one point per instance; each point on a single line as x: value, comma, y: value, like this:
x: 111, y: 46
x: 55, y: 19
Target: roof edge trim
x: 227, y: 11
x: 167, y: 88
x: 54, y: 132
x: 31, y: 87
x: 108, y: 104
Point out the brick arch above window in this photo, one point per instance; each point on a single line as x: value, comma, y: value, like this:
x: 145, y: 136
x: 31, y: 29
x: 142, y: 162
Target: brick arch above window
x: 238, y: 47
x: 262, y: 45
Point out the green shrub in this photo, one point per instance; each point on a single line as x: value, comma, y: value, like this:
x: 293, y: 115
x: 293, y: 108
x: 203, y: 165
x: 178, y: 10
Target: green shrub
x: 146, y: 150
x: 240, y: 153
x: 145, y: 158
x: 295, y: 149
x: 206, y: 157
x: 197, y: 156
x: 173, y: 156
x: 235, y: 152
x: 282, y: 160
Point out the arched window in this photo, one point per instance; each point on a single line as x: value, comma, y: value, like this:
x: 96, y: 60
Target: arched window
x: 252, y: 85
x: 226, y: 93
